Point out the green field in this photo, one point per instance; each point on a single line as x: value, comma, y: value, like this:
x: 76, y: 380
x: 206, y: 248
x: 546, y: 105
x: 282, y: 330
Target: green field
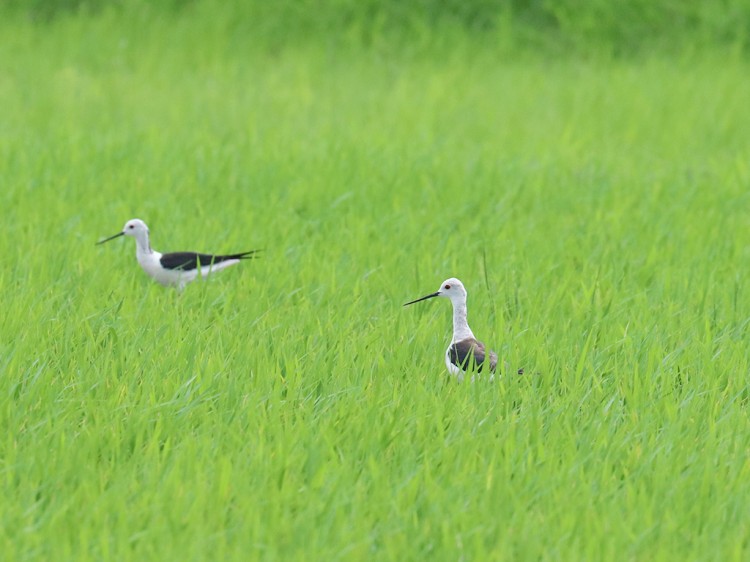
x: 596, y: 207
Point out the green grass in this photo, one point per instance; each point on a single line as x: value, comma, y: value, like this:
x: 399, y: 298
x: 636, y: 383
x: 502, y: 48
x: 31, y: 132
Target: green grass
x: 291, y: 408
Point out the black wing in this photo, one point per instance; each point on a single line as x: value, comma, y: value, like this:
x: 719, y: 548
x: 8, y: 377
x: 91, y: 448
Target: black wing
x: 186, y: 261
x: 463, y: 352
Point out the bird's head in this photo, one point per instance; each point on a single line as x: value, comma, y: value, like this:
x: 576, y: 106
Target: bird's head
x: 135, y: 228
x: 451, y: 288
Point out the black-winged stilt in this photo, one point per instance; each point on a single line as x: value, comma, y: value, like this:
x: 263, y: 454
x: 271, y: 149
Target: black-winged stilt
x: 175, y: 269
x: 465, y: 352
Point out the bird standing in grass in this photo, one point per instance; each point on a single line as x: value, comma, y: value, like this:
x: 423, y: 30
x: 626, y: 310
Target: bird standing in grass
x: 174, y: 269
x: 465, y: 352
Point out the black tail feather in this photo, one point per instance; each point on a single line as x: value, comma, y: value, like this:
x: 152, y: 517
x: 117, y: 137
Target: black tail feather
x: 186, y: 261
x: 249, y: 255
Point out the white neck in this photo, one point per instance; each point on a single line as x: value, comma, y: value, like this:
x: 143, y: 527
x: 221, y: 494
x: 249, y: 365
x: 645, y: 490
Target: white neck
x: 461, y: 329
x: 142, y: 245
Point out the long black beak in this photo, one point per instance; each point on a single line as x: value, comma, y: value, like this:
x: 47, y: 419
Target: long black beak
x: 433, y: 295
x: 110, y: 238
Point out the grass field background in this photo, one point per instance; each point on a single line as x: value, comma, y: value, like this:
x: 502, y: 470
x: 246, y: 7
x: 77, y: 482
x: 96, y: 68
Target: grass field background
x: 596, y: 207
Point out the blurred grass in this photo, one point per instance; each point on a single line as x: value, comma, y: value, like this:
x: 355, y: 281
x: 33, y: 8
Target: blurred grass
x: 290, y: 408
x: 594, y: 28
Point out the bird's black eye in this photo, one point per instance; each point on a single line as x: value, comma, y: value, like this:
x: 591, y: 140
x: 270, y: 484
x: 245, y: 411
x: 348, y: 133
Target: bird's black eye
x: 447, y: 287
x: 132, y: 226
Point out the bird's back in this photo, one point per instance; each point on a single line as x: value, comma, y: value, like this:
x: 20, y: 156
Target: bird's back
x: 470, y: 354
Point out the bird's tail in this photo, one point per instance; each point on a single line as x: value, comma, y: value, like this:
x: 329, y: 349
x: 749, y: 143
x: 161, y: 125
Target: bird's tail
x: 249, y: 255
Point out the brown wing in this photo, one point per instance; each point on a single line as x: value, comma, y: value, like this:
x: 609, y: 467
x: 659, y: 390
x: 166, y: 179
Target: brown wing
x: 463, y: 352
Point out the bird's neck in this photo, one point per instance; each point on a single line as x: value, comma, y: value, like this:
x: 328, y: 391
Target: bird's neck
x: 461, y: 329
x: 142, y: 245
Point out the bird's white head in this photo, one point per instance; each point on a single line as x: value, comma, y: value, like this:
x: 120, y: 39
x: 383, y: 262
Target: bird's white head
x: 135, y: 228
x: 138, y: 230
x: 451, y: 288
